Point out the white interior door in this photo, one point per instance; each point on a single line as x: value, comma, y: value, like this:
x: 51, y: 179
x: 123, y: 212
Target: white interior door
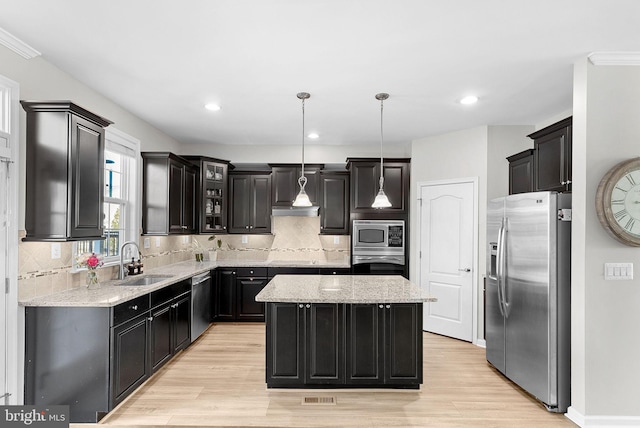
x: 447, y: 268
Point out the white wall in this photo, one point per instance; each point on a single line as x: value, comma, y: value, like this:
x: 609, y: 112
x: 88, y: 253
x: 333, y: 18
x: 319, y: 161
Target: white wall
x: 605, y: 314
x: 460, y: 154
x: 40, y: 80
x: 315, y: 152
x: 478, y: 152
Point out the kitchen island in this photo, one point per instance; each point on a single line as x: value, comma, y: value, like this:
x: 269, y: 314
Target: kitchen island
x: 353, y: 331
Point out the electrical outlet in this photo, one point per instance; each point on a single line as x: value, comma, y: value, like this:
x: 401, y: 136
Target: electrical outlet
x: 56, y: 250
x: 185, y: 239
x: 245, y: 239
x: 336, y: 240
x: 147, y: 243
x: 157, y: 242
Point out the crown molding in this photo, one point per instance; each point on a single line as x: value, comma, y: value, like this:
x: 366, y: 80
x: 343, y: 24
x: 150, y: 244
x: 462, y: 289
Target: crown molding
x: 614, y: 58
x: 17, y: 45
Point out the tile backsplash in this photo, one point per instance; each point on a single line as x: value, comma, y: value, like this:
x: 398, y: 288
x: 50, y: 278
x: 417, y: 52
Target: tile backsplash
x: 292, y: 238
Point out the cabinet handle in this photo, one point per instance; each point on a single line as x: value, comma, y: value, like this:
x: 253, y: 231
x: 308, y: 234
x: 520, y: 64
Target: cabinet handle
x: 381, y: 306
x: 184, y: 227
x: 308, y: 306
x: 246, y: 227
x: 233, y: 273
x: 388, y: 306
x: 301, y: 306
x: 568, y: 181
x: 251, y: 272
x: 251, y: 227
x: 150, y: 319
x: 134, y: 307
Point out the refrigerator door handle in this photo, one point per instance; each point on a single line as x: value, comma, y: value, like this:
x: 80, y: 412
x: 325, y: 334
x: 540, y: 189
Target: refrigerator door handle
x: 499, y: 269
x: 503, y: 267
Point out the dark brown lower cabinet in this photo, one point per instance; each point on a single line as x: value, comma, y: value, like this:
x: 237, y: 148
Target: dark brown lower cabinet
x: 385, y: 344
x: 344, y: 345
x: 305, y: 344
x: 236, y: 291
x: 130, y: 357
x: 169, y: 329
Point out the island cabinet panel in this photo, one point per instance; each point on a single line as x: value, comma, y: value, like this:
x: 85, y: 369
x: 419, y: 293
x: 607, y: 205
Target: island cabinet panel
x: 365, y: 344
x: 403, y: 343
x: 344, y: 345
x: 285, y: 350
x: 384, y: 344
x: 324, y: 343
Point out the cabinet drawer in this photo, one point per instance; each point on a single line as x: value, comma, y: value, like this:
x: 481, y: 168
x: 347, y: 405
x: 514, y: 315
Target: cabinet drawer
x: 335, y: 271
x: 292, y: 271
x: 128, y: 310
x: 167, y: 293
x: 255, y: 272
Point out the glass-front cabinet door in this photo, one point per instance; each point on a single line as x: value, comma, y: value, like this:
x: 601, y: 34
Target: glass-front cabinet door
x: 214, y: 208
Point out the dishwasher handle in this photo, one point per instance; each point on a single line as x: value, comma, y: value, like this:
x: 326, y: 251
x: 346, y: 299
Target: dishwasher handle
x: 198, y: 279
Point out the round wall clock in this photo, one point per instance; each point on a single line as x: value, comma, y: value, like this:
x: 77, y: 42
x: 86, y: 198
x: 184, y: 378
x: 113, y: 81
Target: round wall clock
x: 618, y: 202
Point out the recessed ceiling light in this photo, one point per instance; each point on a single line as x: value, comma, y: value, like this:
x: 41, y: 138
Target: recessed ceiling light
x: 212, y: 107
x: 469, y: 99
x: 313, y: 136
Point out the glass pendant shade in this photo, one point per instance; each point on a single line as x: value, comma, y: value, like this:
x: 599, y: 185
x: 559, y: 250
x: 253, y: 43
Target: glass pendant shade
x: 302, y: 199
x: 381, y: 200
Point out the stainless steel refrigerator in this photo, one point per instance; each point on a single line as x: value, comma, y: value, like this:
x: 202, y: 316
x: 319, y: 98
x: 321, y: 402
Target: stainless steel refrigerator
x: 528, y: 293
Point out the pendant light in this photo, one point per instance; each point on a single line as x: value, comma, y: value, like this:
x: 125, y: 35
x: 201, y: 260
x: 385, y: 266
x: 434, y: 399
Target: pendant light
x: 302, y: 200
x: 381, y: 200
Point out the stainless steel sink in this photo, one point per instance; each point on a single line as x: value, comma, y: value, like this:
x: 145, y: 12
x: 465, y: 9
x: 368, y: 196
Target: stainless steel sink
x: 145, y: 280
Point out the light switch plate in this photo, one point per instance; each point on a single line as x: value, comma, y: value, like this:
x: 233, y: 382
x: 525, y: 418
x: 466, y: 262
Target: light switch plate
x: 336, y: 240
x: 157, y: 242
x: 147, y: 243
x: 245, y: 239
x: 618, y: 271
x: 56, y: 250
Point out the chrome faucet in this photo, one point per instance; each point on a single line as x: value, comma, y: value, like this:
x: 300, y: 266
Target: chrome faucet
x: 122, y: 272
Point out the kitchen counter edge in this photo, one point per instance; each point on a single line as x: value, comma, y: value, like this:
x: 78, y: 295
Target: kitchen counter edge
x: 111, y: 293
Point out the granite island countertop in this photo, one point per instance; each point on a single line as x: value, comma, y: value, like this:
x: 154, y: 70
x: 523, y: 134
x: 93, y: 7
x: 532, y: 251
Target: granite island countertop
x: 112, y: 293
x: 342, y: 289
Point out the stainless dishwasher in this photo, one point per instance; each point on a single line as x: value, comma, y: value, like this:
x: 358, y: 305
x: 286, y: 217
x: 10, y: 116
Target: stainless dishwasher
x: 200, y: 304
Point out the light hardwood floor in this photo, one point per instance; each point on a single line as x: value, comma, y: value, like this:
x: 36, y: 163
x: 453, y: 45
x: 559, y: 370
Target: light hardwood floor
x: 219, y: 381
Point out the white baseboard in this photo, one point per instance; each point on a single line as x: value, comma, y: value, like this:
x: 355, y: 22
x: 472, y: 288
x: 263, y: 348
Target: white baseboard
x: 481, y: 343
x: 601, y: 421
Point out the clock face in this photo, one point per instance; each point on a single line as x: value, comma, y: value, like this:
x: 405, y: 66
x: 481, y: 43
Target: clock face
x: 625, y: 202
x: 618, y: 202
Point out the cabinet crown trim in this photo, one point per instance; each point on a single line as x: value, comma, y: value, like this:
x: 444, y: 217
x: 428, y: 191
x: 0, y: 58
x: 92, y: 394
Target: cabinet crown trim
x: 64, y: 106
x: 558, y: 125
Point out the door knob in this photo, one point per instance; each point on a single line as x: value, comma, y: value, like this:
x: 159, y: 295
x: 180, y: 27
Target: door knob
x: 465, y: 270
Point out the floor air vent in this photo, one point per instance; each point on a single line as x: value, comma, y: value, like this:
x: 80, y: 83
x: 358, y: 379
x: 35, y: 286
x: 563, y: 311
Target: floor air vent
x: 318, y: 401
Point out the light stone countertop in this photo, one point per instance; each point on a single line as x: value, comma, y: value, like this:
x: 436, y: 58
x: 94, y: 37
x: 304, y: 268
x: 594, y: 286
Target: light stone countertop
x: 342, y: 289
x: 111, y: 293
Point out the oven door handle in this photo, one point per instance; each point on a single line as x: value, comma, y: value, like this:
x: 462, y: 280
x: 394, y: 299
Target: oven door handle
x: 378, y: 259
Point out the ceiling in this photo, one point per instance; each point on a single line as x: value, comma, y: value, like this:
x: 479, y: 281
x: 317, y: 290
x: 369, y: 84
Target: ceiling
x: 164, y: 59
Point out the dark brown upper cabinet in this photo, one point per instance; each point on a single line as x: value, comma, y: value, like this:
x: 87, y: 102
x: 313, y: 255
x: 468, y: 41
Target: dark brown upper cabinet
x: 334, y: 203
x: 169, y: 185
x: 64, y: 172
x: 521, y: 172
x: 212, y: 196
x: 552, y: 157
x: 250, y: 209
x: 365, y: 178
x: 284, y: 183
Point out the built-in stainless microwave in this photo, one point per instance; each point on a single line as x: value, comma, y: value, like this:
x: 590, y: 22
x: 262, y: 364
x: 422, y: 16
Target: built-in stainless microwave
x: 377, y: 237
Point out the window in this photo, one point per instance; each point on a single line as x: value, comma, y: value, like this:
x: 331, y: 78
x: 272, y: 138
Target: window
x: 121, y: 208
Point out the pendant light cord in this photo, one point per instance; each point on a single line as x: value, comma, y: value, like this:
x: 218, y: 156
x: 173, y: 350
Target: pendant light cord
x: 381, y: 134
x: 302, y: 175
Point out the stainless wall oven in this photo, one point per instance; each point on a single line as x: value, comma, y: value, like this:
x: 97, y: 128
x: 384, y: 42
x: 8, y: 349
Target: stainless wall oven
x: 378, y: 247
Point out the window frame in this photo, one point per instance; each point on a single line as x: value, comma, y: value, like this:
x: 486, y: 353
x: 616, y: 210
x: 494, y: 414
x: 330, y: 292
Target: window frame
x: 118, y: 141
